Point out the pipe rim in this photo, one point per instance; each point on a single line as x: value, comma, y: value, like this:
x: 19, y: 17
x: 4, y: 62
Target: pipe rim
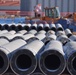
x: 52, y: 72
x: 26, y: 71
x: 70, y: 60
x: 6, y: 62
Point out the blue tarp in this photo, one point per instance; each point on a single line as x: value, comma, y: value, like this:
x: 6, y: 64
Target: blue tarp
x: 10, y: 20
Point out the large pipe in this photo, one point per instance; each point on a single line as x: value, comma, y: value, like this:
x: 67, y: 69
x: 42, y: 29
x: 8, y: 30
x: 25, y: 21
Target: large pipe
x: 22, y: 32
x: 24, y: 37
x: 59, y: 27
x: 52, y: 61
x: 68, y: 32
x: 9, y: 36
x: 34, y: 26
x: 49, y: 38
x: 24, y: 60
x: 42, y: 32
x: 53, y: 27
x: 40, y: 27
x: 19, y: 27
x: 27, y: 26
x: 3, y: 41
x: 3, y: 31
x: 12, y: 32
x: 1, y: 27
x: 40, y: 36
x: 6, y: 26
x: 70, y: 51
x: 59, y: 33
x: 6, y: 52
x: 63, y: 39
x: 32, y: 31
x: 13, y: 27
x: 73, y: 37
x: 50, y: 32
x: 46, y: 27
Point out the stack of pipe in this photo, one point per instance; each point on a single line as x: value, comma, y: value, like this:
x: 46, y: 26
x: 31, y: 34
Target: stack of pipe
x: 24, y: 60
x: 6, y: 52
x: 30, y: 49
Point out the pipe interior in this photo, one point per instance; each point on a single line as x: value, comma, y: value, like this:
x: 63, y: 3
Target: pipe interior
x: 33, y: 27
x: 26, y: 28
x: 54, y: 29
x: 69, y: 35
x: 40, y: 28
x: 60, y: 29
x: 23, y: 61
x: 52, y: 62
x: 19, y: 27
x: 13, y: 27
x: 0, y: 27
x: 1, y: 62
x: 46, y: 29
x: 74, y: 63
x: 6, y: 26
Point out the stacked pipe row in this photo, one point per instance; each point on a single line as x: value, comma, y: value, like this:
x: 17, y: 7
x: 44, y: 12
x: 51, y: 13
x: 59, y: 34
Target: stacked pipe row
x: 38, y: 52
x: 18, y: 27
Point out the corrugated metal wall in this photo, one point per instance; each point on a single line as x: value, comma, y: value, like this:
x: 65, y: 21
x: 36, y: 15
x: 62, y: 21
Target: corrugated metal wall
x: 64, y: 5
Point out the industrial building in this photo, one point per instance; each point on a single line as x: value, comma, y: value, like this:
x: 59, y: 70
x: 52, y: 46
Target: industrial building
x: 65, y: 6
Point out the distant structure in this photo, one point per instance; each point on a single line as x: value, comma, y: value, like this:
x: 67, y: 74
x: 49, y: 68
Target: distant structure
x: 9, y: 7
x: 65, y: 6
